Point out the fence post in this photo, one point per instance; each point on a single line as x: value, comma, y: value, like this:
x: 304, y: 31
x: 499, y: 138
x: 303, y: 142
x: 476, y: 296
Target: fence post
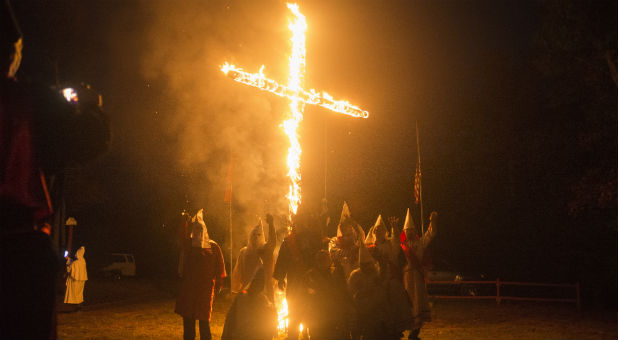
x: 578, y: 299
x: 498, y: 298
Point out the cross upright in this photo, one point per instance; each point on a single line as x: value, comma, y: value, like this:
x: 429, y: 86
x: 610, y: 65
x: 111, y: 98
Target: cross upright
x: 298, y: 98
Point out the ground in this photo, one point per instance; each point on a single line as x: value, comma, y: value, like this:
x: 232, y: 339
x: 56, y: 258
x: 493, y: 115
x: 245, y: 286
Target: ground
x: 144, y: 309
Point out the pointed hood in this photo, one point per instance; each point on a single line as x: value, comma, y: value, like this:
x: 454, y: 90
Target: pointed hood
x: 256, y: 236
x: 409, y: 223
x: 199, y: 232
x: 371, y: 234
x: 346, y: 217
x: 345, y: 212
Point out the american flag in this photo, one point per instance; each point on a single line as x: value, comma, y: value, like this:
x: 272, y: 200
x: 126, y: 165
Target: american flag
x: 417, y: 184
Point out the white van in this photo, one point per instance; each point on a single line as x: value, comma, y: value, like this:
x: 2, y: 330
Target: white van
x: 121, y: 265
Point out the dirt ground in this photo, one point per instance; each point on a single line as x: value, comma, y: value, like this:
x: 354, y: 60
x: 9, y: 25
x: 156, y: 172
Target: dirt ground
x: 141, y: 309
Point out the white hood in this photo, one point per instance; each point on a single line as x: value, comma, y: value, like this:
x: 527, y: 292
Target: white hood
x: 199, y: 232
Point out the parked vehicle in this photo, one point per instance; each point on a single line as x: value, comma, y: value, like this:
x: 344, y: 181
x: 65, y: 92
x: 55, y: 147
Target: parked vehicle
x: 443, y: 271
x: 119, y: 264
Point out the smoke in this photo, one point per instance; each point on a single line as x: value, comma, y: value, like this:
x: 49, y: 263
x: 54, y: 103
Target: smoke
x: 214, y: 120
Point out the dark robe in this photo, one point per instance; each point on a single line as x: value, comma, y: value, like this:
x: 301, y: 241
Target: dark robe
x: 251, y: 317
x: 329, y: 304
x: 295, y: 258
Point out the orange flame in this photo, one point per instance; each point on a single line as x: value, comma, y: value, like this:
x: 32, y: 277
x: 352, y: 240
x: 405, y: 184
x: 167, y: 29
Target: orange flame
x: 297, y: 69
x: 323, y: 99
x: 282, y: 317
x: 298, y: 98
x: 283, y: 321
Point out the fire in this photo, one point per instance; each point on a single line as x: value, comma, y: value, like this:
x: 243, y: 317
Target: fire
x: 283, y: 321
x: 323, y: 99
x: 298, y: 98
x: 282, y: 317
x: 297, y: 69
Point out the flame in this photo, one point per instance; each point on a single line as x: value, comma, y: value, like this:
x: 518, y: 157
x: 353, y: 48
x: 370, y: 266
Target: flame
x: 283, y: 321
x: 297, y: 69
x: 282, y: 317
x: 298, y: 98
x: 323, y: 99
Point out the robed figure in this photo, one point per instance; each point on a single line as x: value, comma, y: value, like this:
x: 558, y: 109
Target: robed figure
x: 388, y: 254
x: 296, y: 256
x: 257, y: 254
x: 252, y: 316
x: 413, y: 274
x: 202, y: 274
x: 344, y: 247
x: 76, y: 278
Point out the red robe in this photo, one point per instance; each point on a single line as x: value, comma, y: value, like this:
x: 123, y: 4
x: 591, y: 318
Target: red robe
x: 202, y: 273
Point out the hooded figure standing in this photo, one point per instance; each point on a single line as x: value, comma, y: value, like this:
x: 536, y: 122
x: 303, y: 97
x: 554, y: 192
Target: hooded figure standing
x: 344, y: 247
x: 413, y: 274
x: 257, y: 254
x: 369, y: 296
x: 202, y: 274
x: 251, y: 316
x: 76, y: 279
x: 386, y: 252
x: 296, y: 256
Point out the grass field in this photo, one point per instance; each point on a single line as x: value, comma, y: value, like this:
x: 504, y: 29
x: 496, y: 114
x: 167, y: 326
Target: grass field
x: 143, y: 309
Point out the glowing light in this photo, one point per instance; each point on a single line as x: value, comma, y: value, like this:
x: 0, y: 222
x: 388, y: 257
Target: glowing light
x: 283, y: 321
x: 282, y: 317
x: 70, y: 95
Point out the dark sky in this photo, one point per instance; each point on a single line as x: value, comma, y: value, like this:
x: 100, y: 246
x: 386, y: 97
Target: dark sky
x: 501, y: 117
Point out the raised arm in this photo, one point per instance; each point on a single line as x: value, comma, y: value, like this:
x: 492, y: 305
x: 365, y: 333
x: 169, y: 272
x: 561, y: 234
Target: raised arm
x: 271, y: 242
x: 431, y: 231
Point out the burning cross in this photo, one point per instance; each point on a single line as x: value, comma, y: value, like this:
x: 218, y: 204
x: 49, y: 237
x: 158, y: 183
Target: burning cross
x: 298, y: 98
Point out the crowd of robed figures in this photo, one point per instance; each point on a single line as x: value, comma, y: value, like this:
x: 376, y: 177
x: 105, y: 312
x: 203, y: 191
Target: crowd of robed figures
x: 351, y: 286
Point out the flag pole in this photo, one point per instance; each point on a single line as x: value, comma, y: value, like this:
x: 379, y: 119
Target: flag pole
x: 325, y: 152
x: 231, y: 233
x: 228, y: 198
x: 420, y: 180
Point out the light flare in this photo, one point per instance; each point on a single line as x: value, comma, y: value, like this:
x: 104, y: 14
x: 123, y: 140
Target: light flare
x: 70, y: 95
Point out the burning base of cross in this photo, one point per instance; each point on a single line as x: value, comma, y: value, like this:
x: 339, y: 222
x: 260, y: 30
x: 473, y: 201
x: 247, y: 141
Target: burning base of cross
x: 283, y: 321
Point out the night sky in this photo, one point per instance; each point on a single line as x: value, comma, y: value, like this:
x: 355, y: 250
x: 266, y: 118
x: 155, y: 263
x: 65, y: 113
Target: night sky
x: 514, y: 100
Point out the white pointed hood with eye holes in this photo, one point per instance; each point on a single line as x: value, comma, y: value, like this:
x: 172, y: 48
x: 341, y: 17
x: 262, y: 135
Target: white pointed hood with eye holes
x: 199, y: 232
x: 371, y: 235
x: 77, y: 269
x: 256, y: 237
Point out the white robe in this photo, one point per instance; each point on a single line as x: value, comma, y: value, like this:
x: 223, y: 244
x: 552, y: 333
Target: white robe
x: 414, y: 279
x: 76, y: 279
